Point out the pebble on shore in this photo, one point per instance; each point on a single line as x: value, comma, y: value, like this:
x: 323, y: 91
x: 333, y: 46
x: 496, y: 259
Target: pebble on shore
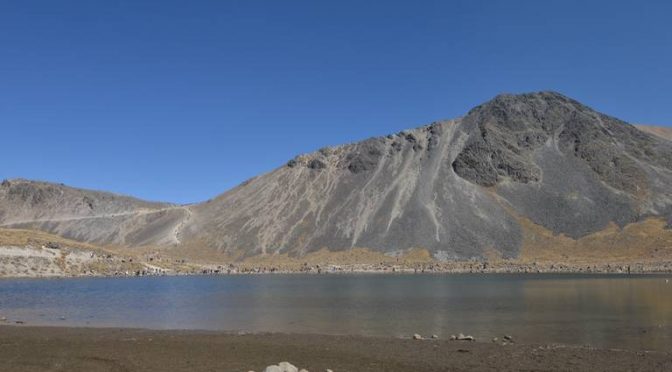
x: 462, y: 337
x: 284, y: 367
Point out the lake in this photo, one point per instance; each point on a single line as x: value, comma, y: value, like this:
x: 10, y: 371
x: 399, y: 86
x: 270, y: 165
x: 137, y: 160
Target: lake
x: 633, y: 312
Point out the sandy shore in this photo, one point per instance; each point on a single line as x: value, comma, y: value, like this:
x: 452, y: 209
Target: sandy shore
x: 88, y: 349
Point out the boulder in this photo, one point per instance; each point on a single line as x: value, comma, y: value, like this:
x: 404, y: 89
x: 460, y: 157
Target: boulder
x: 316, y: 164
x: 53, y: 245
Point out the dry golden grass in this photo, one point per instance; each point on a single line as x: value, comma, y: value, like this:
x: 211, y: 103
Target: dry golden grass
x: 346, y: 257
x: 21, y: 237
x: 645, y: 240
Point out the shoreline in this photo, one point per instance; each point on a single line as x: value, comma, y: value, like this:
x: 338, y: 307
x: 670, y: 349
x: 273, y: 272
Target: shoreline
x: 343, y: 273
x: 33, y: 254
x: 664, y: 268
x: 25, y: 348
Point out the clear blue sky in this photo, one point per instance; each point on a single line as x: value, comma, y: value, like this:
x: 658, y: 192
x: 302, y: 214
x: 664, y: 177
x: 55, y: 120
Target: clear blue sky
x: 181, y: 100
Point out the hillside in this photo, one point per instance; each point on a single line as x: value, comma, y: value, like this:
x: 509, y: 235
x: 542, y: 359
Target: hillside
x: 461, y: 189
x: 30, y: 253
x: 663, y: 132
x: 521, y: 177
x: 88, y: 216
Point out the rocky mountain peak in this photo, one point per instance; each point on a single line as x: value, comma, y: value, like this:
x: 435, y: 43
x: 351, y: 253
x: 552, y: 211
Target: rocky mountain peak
x: 467, y: 188
x: 508, y: 130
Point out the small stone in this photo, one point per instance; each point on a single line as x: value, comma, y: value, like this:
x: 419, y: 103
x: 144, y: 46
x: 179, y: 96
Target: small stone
x: 417, y: 337
x: 303, y: 370
x: 495, y: 339
x: 508, y: 338
x: 273, y: 368
x: 463, y: 350
x: 453, y: 337
x: 3, y: 319
x: 462, y: 337
x: 287, y: 367
x: 328, y: 370
x: 435, y: 336
x: 53, y: 245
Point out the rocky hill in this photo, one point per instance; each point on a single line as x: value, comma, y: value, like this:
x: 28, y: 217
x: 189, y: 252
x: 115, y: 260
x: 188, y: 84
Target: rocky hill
x: 88, y: 216
x: 457, y: 188
x: 520, y: 176
x: 663, y: 132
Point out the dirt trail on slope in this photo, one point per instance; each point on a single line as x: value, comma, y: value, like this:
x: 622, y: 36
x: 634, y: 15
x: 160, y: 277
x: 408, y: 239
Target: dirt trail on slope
x: 177, y: 231
x: 139, y: 212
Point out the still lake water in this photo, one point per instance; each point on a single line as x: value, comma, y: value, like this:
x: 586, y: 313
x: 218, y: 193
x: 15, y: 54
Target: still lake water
x: 632, y: 312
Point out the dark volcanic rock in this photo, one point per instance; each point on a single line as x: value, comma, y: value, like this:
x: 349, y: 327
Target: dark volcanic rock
x: 434, y: 131
x: 366, y: 156
x: 507, y: 130
x: 316, y: 164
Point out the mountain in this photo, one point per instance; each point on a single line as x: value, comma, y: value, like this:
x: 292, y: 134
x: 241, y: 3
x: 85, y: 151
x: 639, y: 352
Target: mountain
x: 663, y: 132
x: 88, y: 216
x: 520, y: 176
